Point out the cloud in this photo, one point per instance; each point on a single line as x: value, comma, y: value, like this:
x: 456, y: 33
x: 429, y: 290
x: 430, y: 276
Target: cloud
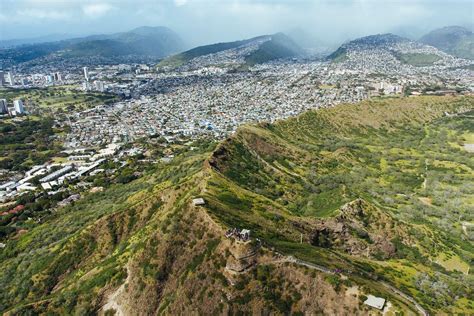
x: 180, y: 3
x: 96, y: 10
x: 43, y: 14
x: 205, y: 21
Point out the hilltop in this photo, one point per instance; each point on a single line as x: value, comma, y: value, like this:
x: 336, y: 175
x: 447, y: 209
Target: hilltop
x: 247, y: 52
x: 391, y: 49
x: 157, y: 42
x: 455, y: 40
x: 341, y: 203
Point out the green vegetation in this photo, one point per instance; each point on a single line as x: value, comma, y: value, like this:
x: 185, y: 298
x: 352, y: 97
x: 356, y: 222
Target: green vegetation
x: 390, y: 176
x: 402, y: 155
x: 339, y: 55
x: 33, y: 139
x: 418, y: 59
x: 140, y: 42
x: 464, y: 48
x: 455, y: 40
x: 27, y: 142
x: 278, y: 46
x: 114, y: 224
x: 59, y: 98
x: 182, y: 58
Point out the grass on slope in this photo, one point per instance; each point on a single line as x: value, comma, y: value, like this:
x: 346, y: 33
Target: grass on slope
x: 418, y: 59
x: 280, y: 46
x: 180, y: 59
x: 393, y: 153
x: 464, y: 48
x: 274, y: 179
x: 339, y: 55
x: 56, y: 98
x: 77, y: 250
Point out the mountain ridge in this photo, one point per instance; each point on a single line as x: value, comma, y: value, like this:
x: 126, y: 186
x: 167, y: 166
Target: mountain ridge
x: 391, y: 49
x: 298, y: 185
x: 248, y: 52
x: 143, y: 41
x: 455, y: 40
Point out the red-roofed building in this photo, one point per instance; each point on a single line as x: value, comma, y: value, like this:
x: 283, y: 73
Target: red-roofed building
x: 17, y: 209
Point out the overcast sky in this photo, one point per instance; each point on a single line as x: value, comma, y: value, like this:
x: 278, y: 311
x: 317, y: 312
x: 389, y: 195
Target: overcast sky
x: 206, y: 21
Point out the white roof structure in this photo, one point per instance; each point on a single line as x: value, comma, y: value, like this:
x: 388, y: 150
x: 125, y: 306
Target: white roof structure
x: 46, y: 186
x: 245, y: 231
x: 26, y: 187
x: 374, y: 301
x: 198, y: 201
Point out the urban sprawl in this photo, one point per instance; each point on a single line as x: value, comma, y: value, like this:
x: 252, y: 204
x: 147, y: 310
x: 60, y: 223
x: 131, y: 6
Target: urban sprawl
x: 207, y: 98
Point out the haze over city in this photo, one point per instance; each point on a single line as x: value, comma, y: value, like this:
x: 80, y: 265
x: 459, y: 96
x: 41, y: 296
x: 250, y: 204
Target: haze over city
x: 206, y: 21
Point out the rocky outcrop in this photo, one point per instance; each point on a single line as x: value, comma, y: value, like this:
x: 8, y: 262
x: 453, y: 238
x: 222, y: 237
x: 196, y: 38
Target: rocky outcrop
x: 356, y: 231
x: 243, y: 256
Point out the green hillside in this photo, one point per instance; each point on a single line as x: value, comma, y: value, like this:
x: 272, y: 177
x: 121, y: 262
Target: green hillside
x: 378, y: 190
x: 277, y: 46
x: 454, y: 40
x: 418, y: 59
x: 280, y: 46
x: 338, y: 55
x: 401, y: 156
x: 182, y: 58
x: 157, y: 42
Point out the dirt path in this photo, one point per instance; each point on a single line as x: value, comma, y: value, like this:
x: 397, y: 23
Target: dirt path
x: 113, y: 301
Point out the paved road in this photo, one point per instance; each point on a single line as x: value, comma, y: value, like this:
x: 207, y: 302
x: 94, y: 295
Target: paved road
x: 307, y: 264
x: 407, y: 297
x: 393, y: 289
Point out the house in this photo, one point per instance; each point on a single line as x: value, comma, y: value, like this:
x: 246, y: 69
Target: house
x: 374, y: 301
x: 17, y: 209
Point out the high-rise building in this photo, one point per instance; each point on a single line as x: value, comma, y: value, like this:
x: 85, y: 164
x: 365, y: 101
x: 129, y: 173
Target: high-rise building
x: 3, y: 106
x: 18, y: 105
x: 99, y: 85
x: 86, y: 73
x: 10, y: 78
x: 57, y: 76
x: 2, y: 79
x: 86, y: 86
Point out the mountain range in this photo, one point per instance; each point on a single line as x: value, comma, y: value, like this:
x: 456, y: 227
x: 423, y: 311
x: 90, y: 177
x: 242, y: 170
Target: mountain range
x: 143, y: 41
x: 161, y: 42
